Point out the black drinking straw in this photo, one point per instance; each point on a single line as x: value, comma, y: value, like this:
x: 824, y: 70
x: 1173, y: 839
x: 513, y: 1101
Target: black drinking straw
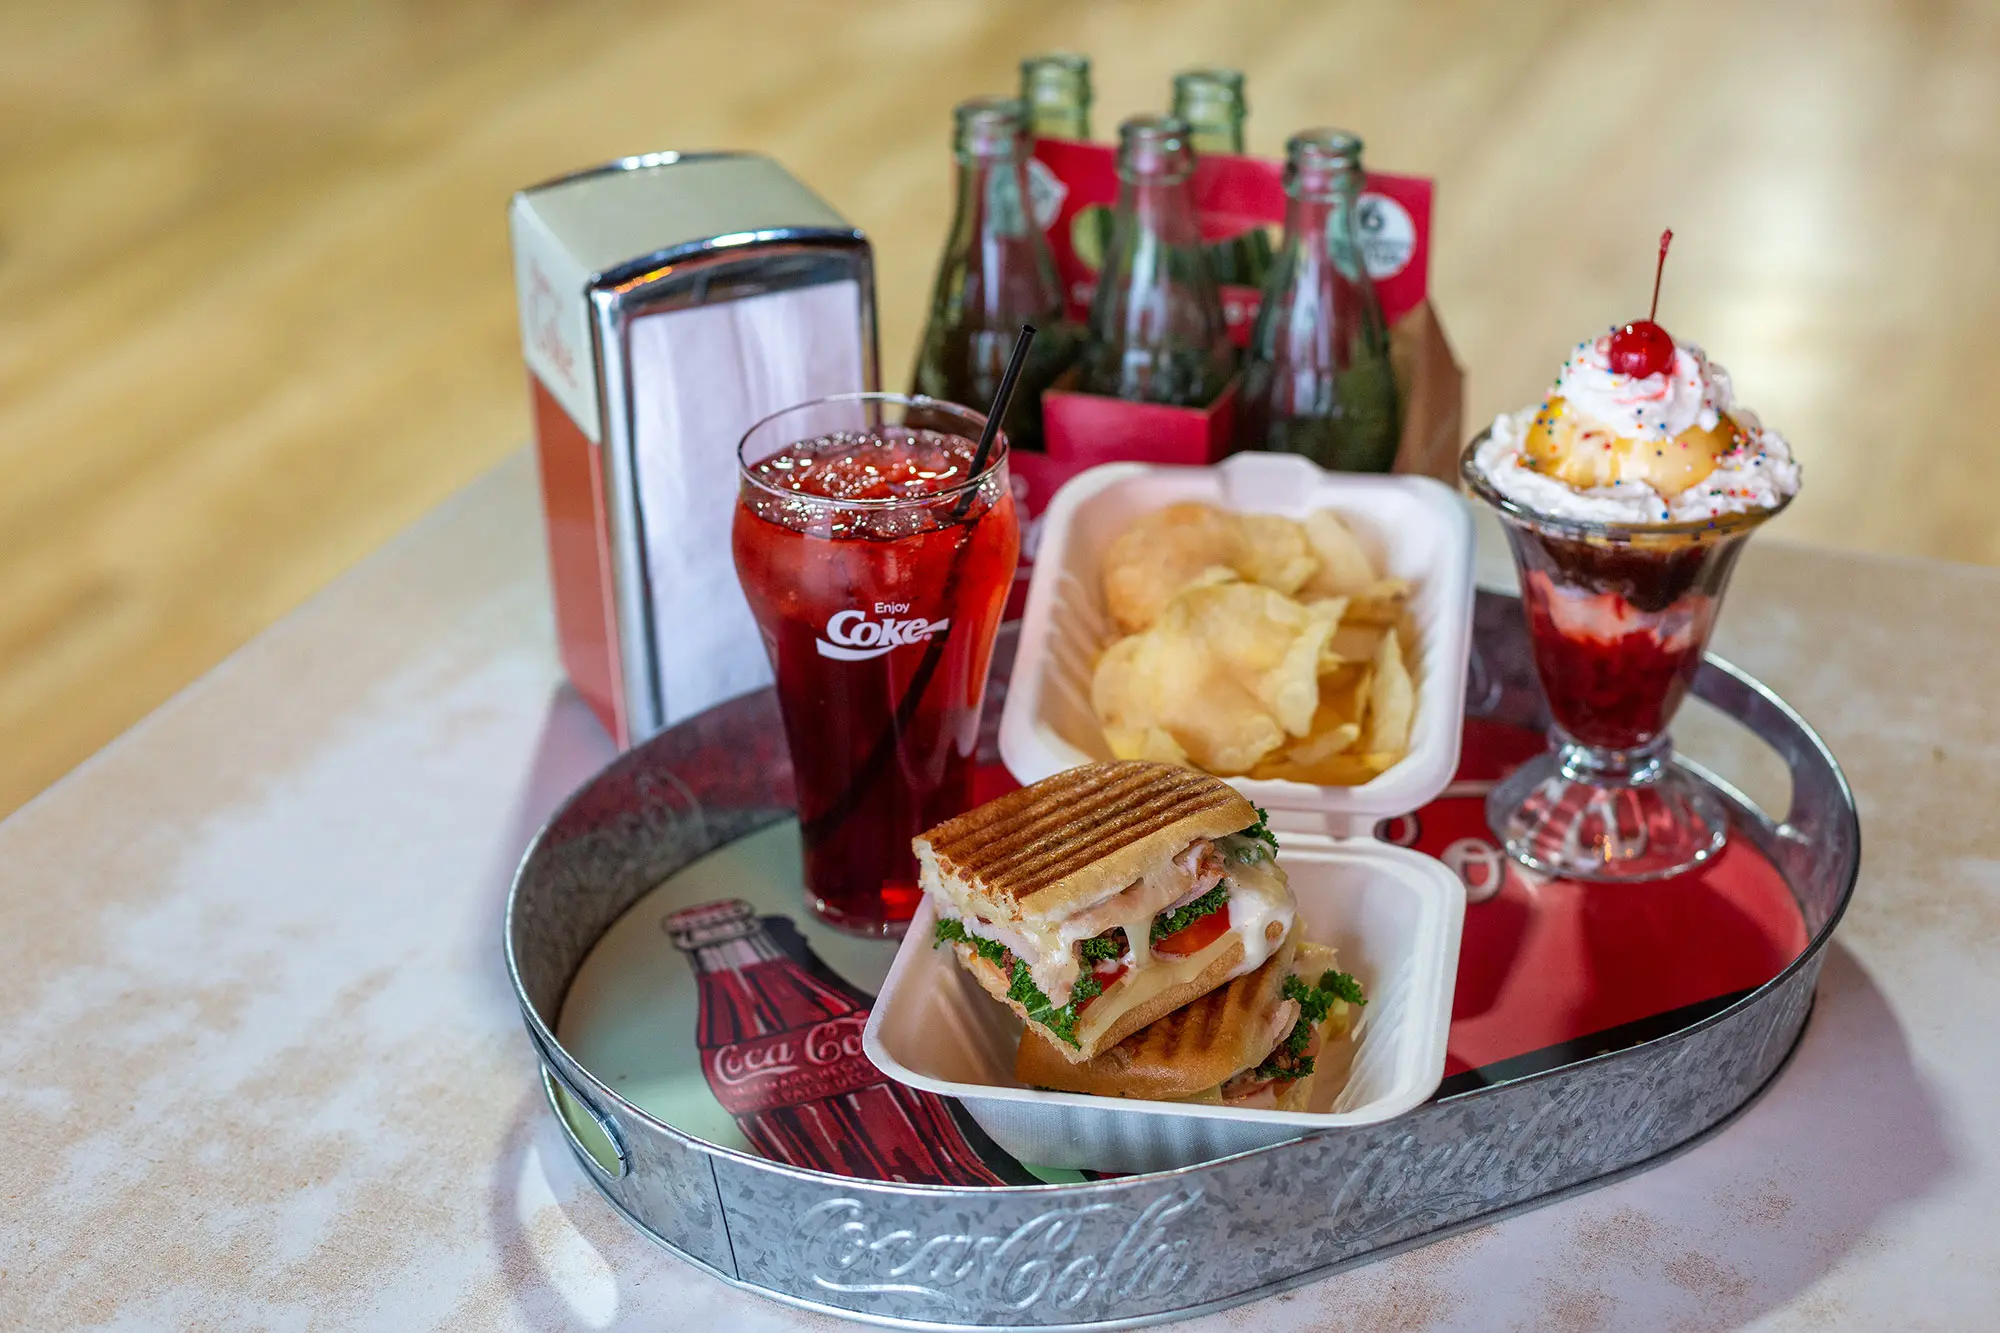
x: 1003, y: 397
x: 884, y: 748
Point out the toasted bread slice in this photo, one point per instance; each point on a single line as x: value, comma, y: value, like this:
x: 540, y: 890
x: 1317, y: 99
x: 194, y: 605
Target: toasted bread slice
x: 1074, y: 840
x: 1184, y: 1051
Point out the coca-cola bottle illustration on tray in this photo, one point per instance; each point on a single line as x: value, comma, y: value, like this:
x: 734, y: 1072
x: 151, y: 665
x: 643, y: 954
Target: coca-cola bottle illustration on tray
x: 781, y: 1048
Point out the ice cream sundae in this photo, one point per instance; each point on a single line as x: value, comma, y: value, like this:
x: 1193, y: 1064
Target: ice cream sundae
x: 1627, y: 493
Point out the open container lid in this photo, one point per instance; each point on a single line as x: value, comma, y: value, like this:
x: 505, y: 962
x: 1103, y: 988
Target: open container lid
x: 1393, y: 915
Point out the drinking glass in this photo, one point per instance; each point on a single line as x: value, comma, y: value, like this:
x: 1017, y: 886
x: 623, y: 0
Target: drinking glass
x: 876, y: 562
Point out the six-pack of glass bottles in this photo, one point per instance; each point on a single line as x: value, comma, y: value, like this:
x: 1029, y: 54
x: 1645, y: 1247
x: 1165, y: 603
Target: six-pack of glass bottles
x: 1314, y: 378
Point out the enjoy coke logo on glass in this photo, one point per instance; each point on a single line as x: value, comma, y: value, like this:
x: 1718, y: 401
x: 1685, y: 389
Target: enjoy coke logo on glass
x: 852, y: 637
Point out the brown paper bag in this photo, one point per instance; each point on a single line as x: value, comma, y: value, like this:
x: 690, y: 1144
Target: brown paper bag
x: 1433, y: 393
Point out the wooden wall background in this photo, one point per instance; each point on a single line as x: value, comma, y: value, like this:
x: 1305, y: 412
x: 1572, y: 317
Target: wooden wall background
x: 256, y: 315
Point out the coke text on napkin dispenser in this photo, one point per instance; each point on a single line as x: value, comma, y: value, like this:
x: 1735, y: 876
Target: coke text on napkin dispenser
x: 668, y: 302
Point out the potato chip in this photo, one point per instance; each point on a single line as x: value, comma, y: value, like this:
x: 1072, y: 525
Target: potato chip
x: 1381, y: 604
x: 1343, y: 694
x: 1164, y: 552
x: 1340, y: 770
x: 1392, y: 700
x: 1334, y: 608
x: 1272, y: 550
x: 1344, y: 566
x: 1228, y: 671
x: 1168, y: 679
x: 1255, y: 645
x: 1267, y: 641
x: 1353, y: 643
x: 1159, y: 555
x: 1331, y: 609
x: 1149, y: 743
x: 1276, y: 770
x: 1323, y: 744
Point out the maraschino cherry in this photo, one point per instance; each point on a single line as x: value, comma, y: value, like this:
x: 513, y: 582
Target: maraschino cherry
x: 1644, y: 349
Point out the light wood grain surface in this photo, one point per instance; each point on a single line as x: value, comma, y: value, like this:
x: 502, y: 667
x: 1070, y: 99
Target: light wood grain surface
x: 256, y: 316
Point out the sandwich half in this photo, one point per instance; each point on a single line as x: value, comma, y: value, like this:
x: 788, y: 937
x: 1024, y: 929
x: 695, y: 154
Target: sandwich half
x: 1102, y: 898
x: 1254, y: 1043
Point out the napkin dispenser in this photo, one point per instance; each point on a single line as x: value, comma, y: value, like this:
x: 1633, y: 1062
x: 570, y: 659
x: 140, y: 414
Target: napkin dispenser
x: 667, y: 303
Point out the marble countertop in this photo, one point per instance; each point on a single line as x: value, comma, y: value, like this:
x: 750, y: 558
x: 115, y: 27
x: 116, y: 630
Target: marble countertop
x: 260, y: 1065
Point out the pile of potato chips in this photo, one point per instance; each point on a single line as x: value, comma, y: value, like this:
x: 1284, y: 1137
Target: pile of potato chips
x: 1254, y: 644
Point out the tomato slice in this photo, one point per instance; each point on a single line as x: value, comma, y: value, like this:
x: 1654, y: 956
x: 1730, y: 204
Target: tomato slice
x: 1107, y: 975
x: 1196, y: 935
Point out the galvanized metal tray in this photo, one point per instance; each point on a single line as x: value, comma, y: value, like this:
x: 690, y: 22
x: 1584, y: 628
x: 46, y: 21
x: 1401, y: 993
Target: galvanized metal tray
x: 1140, y: 1249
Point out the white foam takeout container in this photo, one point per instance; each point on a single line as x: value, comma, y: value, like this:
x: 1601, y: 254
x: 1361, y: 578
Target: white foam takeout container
x: 1418, y: 529
x: 1393, y: 915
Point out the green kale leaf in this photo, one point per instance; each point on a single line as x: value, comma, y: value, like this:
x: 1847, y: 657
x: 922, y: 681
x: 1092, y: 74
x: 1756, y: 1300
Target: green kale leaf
x: 1061, y: 1022
x: 950, y: 931
x: 1285, y: 1064
x: 1021, y: 987
x: 1167, y: 923
x: 1106, y: 948
x: 1315, y: 1003
x: 1343, y: 986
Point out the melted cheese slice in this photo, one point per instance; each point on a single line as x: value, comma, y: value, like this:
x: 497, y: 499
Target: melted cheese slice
x: 1259, y: 898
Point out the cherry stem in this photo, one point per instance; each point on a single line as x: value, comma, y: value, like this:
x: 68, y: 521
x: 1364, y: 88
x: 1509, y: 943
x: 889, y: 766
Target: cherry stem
x: 1666, y: 239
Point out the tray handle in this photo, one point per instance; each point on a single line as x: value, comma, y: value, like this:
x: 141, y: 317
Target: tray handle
x: 597, y: 1141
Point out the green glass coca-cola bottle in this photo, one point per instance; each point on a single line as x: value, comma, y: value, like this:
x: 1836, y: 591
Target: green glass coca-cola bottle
x: 1211, y: 102
x: 996, y: 274
x: 1156, y: 330
x: 1056, y: 90
x: 1316, y: 376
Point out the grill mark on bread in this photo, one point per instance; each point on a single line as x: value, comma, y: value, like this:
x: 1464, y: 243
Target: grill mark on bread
x: 1064, y: 824
x: 1073, y: 834
x: 1198, y: 1026
x: 1048, y: 809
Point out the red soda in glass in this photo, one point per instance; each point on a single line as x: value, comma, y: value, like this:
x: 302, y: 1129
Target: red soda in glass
x: 877, y: 565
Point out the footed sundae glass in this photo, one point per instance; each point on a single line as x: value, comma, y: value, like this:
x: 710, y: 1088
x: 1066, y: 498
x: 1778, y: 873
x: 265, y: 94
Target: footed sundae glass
x: 1619, y: 616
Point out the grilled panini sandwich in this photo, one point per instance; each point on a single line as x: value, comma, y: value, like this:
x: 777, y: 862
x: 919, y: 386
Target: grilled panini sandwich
x: 1107, y: 896
x: 1253, y: 1043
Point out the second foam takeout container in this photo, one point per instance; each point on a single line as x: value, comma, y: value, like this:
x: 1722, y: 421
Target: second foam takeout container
x: 1418, y: 529
x: 1393, y: 915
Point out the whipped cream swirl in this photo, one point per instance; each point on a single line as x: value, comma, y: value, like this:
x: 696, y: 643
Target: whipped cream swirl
x: 1759, y: 474
x: 1657, y: 407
